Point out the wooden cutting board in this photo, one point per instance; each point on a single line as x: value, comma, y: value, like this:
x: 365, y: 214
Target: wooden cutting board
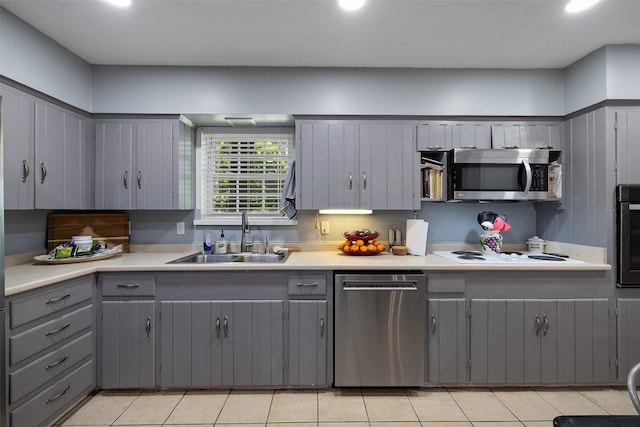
x: 110, y: 226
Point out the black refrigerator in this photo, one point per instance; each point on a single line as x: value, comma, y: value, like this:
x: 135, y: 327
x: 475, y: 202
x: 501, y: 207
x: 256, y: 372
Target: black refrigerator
x: 3, y: 346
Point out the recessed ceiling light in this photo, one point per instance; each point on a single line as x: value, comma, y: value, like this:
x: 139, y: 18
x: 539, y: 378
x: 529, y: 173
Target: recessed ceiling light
x: 119, y: 3
x: 579, y: 5
x: 351, y: 5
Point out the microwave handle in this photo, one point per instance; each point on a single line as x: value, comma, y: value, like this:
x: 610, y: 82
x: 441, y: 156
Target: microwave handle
x: 527, y: 171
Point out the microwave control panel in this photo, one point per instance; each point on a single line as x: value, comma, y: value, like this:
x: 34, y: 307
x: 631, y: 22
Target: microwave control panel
x: 539, y: 178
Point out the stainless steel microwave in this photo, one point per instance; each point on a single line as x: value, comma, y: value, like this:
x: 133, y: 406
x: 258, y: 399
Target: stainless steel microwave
x: 501, y: 174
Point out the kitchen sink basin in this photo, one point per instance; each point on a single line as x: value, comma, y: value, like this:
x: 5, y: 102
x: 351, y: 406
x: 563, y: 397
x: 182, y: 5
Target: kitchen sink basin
x: 201, y: 258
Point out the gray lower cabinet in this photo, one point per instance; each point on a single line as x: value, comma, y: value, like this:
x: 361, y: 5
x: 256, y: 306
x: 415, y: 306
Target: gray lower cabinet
x: 128, y: 344
x: 308, y: 331
x: 51, y: 351
x: 446, y: 341
x: 221, y: 343
x: 628, y: 345
x: 539, y: 341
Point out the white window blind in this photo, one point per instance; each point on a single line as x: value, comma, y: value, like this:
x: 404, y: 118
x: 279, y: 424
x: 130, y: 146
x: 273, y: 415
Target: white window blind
x: 244, y: 170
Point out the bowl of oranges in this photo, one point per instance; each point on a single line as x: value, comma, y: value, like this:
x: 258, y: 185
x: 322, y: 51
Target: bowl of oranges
x: 361, y: 242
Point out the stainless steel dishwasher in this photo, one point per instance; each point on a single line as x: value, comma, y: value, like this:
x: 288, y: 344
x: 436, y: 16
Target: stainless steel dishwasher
x: 379, y: 329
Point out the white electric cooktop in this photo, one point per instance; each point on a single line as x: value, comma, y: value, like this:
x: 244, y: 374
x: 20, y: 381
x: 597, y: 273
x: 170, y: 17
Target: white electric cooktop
x: 512, y: 257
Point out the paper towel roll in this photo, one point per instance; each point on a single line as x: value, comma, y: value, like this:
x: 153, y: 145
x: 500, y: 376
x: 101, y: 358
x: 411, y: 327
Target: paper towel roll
x: 417, y: 230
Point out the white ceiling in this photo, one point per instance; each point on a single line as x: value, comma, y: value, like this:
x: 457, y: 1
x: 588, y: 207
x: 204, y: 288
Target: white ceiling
x: 385, y: 33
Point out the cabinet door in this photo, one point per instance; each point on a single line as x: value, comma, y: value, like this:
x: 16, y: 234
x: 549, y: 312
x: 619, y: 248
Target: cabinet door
x: 471, y: 136
x: 257, y: 331
x: 507, y: 136
x: 627, y: 330
x: 18, y: 139
x: 308, y: 328
x: 128, y: 344
x: 434, y: 137
x: 327, y: 174
x: 114, y: 179
x: 387, y: 166
x: 447, y: 349
x: 628, y: 149
x: 153, y: 178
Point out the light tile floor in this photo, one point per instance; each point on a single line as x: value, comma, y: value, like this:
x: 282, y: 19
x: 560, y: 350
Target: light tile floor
x: 470, y: 407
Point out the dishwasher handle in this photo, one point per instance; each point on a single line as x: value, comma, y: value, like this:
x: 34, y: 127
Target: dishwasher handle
x: 379, y: 286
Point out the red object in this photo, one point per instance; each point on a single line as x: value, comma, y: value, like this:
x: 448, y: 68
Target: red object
x: 500, y: 225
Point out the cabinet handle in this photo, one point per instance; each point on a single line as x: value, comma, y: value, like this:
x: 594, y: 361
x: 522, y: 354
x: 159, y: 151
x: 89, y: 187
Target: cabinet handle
x: 364, y: 180
x: 510, y: 147
x: 54, y: 364
x: 434, y: 147
x: 307, y: 285
x: 57, y: 331
x: 139, y: 179
x: 350, y: 181
x: 59, y: 395
x: 545, y: 325
x: 469, y: 146
x: 125, y: 180
x: 226, y: 326
x: 537, y: 328
x: 43, y: 172
x: 545, y: 147
x: 25, y: 171
x: 322, y: 326
x: 218, y: 327
x: 148, y: 327
x: 57, y: 299
x: 434, y: 325
x: 129, y: 286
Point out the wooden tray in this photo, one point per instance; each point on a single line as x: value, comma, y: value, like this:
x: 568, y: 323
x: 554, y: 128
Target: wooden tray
x: 113, y: 227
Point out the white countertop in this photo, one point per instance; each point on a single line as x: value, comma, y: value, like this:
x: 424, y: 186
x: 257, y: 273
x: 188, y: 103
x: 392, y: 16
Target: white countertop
x: 24, y: 277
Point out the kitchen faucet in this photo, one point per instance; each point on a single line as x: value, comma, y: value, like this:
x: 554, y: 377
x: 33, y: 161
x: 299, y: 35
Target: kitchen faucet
x: 245, y: 228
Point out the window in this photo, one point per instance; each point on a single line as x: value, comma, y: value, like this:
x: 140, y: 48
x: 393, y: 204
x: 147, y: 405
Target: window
x: 243, y: 170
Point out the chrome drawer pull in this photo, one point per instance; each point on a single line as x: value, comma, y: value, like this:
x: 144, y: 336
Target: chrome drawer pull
x: 545, y: 325
x: 56, y: 299
x: 322, y: 326
x: 148, y: 327
x: 218, y: 327
x: 537, y: 328
x: 434, y: 325
x: 59, y: 395
x: 125, y: 180
x: 226, y: 326
x: 43, y: 172
x: 139, y: 179
x: 307, y: 285
x: 54, y: 364
x: 25, y: 171
x: 57, y: 331
x: 129, y: 286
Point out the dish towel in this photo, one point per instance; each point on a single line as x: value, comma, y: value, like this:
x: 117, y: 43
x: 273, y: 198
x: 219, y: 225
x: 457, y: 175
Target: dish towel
x: 288, y: 199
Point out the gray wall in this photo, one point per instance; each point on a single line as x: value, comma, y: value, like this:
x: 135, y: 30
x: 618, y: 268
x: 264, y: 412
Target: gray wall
x: 33, y: 59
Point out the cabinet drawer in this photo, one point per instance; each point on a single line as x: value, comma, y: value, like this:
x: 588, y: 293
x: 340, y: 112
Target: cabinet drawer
x: 32, y: 376
x: 55, y: 400
x: 31, y: 307
x: 36, y: 339
x: 128, y: 285
x: 307, y: 284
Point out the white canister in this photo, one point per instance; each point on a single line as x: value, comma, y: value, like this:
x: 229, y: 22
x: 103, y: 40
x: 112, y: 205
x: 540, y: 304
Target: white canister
x: 536, y: 245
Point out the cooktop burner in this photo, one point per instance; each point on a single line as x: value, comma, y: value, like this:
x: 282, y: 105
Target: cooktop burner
x: 506, y: 257
x: 511, y: 252
x: 467, y: 253
x: 469, y: 256
x: 546, y: 258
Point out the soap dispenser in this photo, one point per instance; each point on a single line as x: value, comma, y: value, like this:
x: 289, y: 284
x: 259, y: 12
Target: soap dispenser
x: 221, y: 244
x: 208, y: 241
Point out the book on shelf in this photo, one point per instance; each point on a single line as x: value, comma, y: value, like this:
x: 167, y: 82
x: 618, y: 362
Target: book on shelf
x: 431, y: 183
x: 431, y: 163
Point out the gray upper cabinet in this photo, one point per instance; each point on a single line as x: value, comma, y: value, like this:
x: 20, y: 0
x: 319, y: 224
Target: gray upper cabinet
x: 63, y: 159
x: 144, y: 164
x: 344, y: 164
x: 544, y: 341
x: 471, y: 135
x: 18, y: 112
x: 48, y: 154
x: 443, y: 136
x: 628, y: 150
x: 527, y: 135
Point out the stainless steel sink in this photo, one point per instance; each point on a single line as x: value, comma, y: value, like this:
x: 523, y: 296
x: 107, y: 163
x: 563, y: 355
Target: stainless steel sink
x: 201, y: 258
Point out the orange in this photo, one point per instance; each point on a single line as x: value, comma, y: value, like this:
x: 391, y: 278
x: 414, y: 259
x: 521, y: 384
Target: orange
x: 354, y: 248
x: 375, y: 243
x: 345, y: 249
x: 341, y: 245
x: 360, y: 242
x: 364, y: 248
x: 371, y: 247
x: 380, y: 247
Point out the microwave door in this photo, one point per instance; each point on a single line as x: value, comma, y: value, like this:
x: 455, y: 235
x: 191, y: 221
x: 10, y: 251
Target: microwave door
x: 525, y: 178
